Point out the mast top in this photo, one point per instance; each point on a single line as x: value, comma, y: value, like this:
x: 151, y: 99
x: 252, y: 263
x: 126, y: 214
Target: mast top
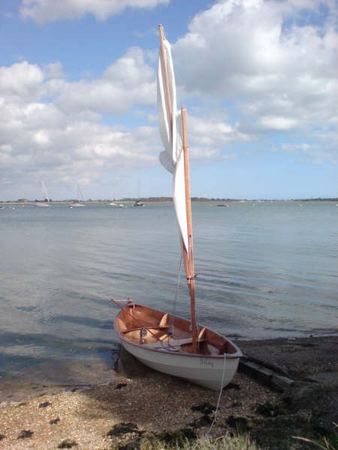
x: 162, y: 33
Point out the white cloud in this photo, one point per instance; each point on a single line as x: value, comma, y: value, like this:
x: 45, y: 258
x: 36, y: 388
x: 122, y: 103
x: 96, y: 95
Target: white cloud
x: 21, y: 79
x: 54, y: 135
x: 258, y: 58
x: 278, y: 123
x: 276, y: 68
x: 43, y: 136
x: 319, y: 152
x: 42, y: 11
x: 209, y: 137
x: 127, y: 82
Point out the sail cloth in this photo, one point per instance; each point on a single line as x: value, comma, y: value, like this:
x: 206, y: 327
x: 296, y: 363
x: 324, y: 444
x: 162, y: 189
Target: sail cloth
x: 170, y: 124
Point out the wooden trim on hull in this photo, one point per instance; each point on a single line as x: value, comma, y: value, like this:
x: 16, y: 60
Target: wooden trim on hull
x: 139, y: 326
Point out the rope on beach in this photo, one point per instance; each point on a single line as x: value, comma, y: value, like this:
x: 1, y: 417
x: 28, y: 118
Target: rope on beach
x: 219, y: 396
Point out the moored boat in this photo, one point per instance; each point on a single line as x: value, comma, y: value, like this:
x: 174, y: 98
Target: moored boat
x: 164, y: 342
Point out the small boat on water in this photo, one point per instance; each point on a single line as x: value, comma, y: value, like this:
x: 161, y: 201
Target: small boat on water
x: 138, y: 203
x: 116, y: 205
x: 45, y: 202
x: 164, y: 342
x: 76, y: 205
x: 41, y: 205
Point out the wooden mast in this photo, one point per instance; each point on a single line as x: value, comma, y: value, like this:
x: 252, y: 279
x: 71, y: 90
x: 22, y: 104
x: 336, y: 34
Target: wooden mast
x: 187, y: 253
x: 191, y: 265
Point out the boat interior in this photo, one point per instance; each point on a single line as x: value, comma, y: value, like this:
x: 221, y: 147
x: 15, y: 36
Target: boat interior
x: 150, y: 328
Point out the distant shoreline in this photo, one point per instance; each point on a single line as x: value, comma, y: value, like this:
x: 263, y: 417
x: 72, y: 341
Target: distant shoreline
x: 129, y: 200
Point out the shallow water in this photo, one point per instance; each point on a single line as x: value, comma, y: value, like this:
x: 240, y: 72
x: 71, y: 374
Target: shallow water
x: 264, y: 270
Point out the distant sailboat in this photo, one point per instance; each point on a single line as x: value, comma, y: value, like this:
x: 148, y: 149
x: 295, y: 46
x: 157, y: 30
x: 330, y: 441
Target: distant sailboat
x: 117, y: 205
x: 76, y: 203
x: 138, y: 203
x: 162, y: 341
x: 45, y: 203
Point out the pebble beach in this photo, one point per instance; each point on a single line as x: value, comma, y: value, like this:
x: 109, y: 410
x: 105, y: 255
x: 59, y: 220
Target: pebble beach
x: 138, y: 406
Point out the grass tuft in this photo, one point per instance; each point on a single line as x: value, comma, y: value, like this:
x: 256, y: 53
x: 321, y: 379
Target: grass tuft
x: 227, y: 442
x: 326, y: 443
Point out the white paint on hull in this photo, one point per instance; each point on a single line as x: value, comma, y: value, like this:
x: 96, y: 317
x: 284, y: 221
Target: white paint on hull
x: 205, y: 371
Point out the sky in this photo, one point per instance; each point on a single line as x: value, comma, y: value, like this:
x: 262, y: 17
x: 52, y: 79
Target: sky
x: 78, y: 97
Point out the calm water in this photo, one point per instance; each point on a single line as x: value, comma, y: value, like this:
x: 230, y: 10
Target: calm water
x: 264, y: 270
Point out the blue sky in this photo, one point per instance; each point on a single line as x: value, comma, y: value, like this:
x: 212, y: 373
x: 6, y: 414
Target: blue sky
x: 78, y: 97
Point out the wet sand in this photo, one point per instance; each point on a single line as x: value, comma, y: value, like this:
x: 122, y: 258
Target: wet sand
x: 139, y: 403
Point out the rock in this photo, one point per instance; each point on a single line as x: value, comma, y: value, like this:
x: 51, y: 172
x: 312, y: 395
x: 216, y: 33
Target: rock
x: 268, y: 410
x: 25, y: 434
x: 202, y: 422
x: 234, y: 386
x: 189, y: 433
x: 176, y: 438
x: 132, y: 445
x: 236, y: 403
x: 240, y: 423
x: 54, y: 421
x: 204, y: 408
x: 44, y: 404
x: 122, y: 428
x: 2, y: 436
x: 67, y: 443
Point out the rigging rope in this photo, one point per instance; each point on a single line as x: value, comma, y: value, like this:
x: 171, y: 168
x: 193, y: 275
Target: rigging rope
x: 177, y: 284
x: 219, y: 397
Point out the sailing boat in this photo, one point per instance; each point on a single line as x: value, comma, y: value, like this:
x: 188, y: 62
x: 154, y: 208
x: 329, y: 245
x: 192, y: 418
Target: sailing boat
x: 76, y: 203
x: 44, y: 203
x: 164, y: 342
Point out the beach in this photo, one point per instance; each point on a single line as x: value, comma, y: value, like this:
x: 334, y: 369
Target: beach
x: 139, y: 405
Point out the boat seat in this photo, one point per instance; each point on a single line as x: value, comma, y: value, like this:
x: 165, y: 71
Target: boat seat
x: 145, y: 328
x: 201, y: 335
x: 164, y: 321
x: 174, y: 344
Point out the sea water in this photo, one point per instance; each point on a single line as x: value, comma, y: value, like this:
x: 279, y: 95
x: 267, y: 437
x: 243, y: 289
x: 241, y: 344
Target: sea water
x: 264, y: 270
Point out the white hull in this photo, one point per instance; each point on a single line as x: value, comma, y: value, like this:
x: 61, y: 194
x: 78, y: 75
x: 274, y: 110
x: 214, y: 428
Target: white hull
x: 164, y: 343
x: 76, y: 205
x: 206, y: 371
x: 42, y: 205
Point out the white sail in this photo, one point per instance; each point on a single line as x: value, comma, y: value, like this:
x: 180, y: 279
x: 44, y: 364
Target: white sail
x: 172, y: 158
x: 44, y: 190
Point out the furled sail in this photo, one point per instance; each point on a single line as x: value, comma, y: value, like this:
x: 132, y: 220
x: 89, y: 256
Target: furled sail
x: 172, y: 158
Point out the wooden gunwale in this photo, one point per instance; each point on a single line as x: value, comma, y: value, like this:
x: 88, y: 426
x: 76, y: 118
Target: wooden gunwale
x: 235, y: 355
